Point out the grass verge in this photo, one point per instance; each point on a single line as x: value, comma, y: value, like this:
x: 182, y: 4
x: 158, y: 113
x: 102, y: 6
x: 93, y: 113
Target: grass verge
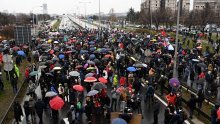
x: 7, y: 96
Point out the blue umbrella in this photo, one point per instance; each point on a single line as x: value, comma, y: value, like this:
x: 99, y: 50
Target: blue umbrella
x: 92, y: 56
x: 92, y: 49
x: 103, y: 50
x: 131, y: 69
x: 61, y: 56
x: 21, y: 53
x: 119, y: 121
x: 83, y: 51
x: 91, y: 42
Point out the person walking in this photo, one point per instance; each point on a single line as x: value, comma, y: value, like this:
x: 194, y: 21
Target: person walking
x: 156, y: 111
x: 17, y: 112
x: 114, y: 99
x: 39, y: 107
x: 214, y: 114
x: 26, y: 110
x: 32, y: 108
x: 192, y: 105
x: 200, y: 98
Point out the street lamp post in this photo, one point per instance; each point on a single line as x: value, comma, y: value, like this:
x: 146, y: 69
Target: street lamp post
x: 36, y: 18
x: 176, y: 42
x: 85, y: 10
x: 99, y: 22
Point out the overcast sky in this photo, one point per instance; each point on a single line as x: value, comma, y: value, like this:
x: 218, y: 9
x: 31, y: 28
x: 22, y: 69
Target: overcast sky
x: 68, y: 6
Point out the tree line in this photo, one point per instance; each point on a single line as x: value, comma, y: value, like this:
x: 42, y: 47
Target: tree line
x: 167, y: 17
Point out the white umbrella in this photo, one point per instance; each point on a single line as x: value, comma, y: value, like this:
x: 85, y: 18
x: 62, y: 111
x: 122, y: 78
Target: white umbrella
x: 92, y: 93
x: 57, y: 68
x: 170, y: 47
x: 74, y: 73
x: 50, y: 94
x: 56, y: 42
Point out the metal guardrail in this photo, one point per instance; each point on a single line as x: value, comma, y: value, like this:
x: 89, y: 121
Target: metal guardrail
x: 75, y: 23
x: 7, y: 116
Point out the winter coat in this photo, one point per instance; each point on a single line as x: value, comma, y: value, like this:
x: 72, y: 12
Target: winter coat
x: 39, y: 106
x: 17, y: 111
x: 26, y: 108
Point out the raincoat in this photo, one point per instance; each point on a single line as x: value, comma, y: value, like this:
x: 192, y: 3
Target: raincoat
x: 17, y: 71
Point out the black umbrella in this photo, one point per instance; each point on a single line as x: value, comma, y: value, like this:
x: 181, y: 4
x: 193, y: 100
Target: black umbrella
x: 98, y: 86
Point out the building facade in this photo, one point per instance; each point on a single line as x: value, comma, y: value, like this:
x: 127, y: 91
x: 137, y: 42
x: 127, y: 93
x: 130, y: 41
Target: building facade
x: 200, y: 4
x: 152, y: 5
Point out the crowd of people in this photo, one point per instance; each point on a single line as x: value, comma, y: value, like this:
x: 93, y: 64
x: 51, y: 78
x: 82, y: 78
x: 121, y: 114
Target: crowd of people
x: 113, y: 71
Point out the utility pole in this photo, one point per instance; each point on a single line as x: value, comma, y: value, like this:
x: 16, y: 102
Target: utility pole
x: 85, y: 10
x: 176, y: 42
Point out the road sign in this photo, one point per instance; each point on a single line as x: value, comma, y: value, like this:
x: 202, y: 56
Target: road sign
x: 22, y: 34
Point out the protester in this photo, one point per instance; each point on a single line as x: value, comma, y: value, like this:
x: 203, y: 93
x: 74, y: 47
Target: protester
x: 17, y: 112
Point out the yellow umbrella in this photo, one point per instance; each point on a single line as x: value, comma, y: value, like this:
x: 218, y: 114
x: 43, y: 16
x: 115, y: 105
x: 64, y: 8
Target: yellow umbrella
x: 153, y: 40
x: 49, y: 41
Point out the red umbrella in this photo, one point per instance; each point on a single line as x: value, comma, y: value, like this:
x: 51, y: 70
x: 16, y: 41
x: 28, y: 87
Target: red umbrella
x: 108, y: 55
x: 78, y: 88
x: 79, y: 66
x: 16, y: 48
x: 25, y: 46
x: 51, y: 51
x: 56, y: 103
x: 90, y: 79
x: 68, y: 52
x: 103, y: 80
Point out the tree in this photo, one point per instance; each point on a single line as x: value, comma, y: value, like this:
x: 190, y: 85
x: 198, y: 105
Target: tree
x: 131, y: 15
x: 205, y: 16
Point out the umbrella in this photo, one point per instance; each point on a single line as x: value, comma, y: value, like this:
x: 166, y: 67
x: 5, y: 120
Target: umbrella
x: 170, y: 47
x: 96, y: 61
x: 43, y: 66
x: 131, y: 69
x: 56, y: 42
x: 90, y: 68
x: 79, y: 66
x: 98, y: 86
x: 90, y: 79
x: 92, y: 93
x: 91, y: 62
x: 56, y: 103
x: 61, y: 56
x: 89, y: 75
x: 74, y: 73
x: 33, y: 73
x: 202, y: 65
x: 139, y: 65
x: 49, y: 74
x: 50, y: 94
x: 57, y: 68
x: 78, y: 88
x: 91, y: 43
x: 103, y: 80
x: 92, y: 56
x: 42, y: 63
x: 174, y: 82
x: 153, y: 40
x: 108, y: 56
x: 16, y: 48
x: 25, y: 46
x: 119, y: 121
x: 195, y: 60
x: 92, y: 49
x: 21, y: 53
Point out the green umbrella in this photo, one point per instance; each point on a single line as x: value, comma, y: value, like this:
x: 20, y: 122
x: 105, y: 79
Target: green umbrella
x: 33, y: 73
